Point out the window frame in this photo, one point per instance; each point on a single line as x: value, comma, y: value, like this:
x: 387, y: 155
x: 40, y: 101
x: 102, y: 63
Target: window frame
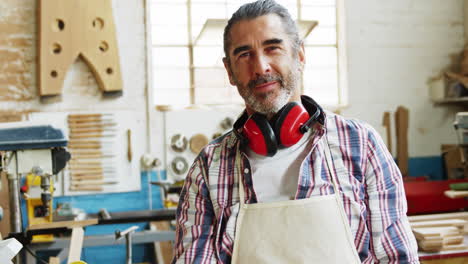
x: 341, y: 64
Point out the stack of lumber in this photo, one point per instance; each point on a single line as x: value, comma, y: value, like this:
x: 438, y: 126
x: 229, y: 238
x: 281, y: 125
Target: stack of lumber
x: 440, y: 232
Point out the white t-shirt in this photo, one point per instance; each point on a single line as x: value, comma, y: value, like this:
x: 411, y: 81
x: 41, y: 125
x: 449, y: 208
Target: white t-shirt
x: 276, y: 178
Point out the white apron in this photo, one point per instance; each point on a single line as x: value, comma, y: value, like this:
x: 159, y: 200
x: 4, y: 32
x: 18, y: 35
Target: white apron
x: 313, y: 230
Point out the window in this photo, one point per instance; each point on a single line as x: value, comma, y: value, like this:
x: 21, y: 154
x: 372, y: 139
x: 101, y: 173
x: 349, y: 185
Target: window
x: 187, y: 51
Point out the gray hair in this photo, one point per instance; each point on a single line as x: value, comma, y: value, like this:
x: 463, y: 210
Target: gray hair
x: 260, y: 8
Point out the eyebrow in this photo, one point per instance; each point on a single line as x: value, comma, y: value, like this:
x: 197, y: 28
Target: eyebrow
x: 247, y: 47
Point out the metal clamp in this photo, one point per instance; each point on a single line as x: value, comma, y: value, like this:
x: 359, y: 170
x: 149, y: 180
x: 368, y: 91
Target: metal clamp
x: 127, y: 233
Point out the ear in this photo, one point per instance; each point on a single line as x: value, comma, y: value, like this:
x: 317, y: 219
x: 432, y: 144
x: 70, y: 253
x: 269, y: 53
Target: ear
x: 301, y: 56
x: 227, y: 66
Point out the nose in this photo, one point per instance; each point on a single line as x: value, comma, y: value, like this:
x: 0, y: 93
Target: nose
x: 261, y: 65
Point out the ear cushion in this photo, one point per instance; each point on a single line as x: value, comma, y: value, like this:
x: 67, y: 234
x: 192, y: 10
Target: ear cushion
x: 287, y: 125
x: 261, y: 137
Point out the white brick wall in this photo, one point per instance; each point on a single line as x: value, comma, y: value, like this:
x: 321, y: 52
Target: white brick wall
x: 394, y: 48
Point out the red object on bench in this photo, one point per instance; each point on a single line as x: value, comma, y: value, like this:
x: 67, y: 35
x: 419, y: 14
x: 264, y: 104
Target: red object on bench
x: 425, y: 197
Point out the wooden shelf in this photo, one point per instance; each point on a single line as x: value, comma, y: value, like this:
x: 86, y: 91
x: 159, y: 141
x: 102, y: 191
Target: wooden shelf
x: 452, y: 100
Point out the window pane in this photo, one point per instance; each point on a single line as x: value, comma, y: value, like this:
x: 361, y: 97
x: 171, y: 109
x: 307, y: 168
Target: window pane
x: 291, y: 5
x: 168, y: 1
x: 170, y: 56
x: 177, y: 78
x: 169, y: 35
x: 320, y: 57
x: 234, y: 5
x: 174, y: 97
x: 168, y: 14
x: 213, y: 87
x: 322, y: 35
x: 208, y: 56
x: 325, y: 15
x: 227, y: 95
x: 211, y: 78
x: 321, y: 75
x: 319, y: 2
x: 202, y: 12
x: 168, y: 82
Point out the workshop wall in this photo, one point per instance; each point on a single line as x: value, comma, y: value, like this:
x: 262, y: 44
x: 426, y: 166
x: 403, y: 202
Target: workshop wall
x: 19, y: 95
x: 394, y: 48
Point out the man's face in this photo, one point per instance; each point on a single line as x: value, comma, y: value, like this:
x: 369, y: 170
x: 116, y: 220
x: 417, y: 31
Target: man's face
x: 263, y: 65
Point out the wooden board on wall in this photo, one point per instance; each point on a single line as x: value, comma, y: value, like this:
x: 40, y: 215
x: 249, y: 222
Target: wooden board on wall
x: 68, y: 29
x: 4, y: 203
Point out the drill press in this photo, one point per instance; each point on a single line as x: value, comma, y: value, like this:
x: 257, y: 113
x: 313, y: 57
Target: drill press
x: 31, y: 149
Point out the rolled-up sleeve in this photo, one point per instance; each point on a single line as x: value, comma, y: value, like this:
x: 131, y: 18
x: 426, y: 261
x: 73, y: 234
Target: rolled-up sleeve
x: 194, y: 242
x: 392, y: 240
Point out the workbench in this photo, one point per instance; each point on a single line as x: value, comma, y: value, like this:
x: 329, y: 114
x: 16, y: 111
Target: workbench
x: 62, y: 244
x: 453, y: 257
x: 141, y: 237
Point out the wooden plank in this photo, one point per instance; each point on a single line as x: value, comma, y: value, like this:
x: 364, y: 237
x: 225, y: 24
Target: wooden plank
x: 456, y: 194
x: 5, y: 204
x: 401, y: 124
x: 76, y: 244
x: 453, y: 240
x: 455, y: 247
x: 430, y: 217
x: 429, y: 232
x: 163, y: 250
x: 68, y: 29
x: 86, y: 188
x: 67, y: 224
x: 54, y: 260
x: 388, y: 128
x: 440, y: 223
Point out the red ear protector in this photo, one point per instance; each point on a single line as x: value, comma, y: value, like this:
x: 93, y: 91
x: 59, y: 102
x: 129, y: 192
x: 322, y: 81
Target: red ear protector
x: 285, y: 129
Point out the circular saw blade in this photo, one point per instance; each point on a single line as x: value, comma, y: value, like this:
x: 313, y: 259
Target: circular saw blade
x: 179, y: 143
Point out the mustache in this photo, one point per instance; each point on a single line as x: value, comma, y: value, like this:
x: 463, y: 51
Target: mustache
x: 265, y: 79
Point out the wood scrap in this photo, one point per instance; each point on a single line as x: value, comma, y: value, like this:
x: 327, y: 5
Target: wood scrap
x: 456, y: 194
x: 401, y: 124
x: 430, y: 217
x: 54, y: 260
x: 163, y: 250
x: 388, y: 128
x: 439, y: 232
x: 460, y: 223
x: 76, y: 245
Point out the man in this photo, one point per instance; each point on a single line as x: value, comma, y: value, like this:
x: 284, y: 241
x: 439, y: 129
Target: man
x: 290, y: 183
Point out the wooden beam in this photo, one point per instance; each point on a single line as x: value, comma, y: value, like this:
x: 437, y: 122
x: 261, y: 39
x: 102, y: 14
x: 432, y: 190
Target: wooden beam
x: 401, y: 124
x: 76, y: 244
x: 67, y: 224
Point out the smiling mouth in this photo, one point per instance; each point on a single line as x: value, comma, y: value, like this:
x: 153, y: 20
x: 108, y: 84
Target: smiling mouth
x: 265, y: 87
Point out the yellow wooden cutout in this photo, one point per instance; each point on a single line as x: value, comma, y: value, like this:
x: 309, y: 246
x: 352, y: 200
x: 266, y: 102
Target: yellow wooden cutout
x: 72, y: 28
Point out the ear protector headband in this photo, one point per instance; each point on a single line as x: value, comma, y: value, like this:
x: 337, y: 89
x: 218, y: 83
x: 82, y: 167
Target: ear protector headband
x: 285, y: 129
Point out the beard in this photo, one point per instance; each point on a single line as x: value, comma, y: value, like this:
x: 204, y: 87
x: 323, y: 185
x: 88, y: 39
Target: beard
x: 269, y: 103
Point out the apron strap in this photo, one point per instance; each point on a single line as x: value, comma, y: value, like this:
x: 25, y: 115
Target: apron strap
x: 329, y: 162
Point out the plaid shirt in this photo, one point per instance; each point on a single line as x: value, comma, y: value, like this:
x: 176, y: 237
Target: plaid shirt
x: 370, y: 186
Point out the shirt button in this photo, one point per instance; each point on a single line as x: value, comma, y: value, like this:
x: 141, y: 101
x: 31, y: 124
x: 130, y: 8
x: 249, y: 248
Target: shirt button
x: 246, y: 170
